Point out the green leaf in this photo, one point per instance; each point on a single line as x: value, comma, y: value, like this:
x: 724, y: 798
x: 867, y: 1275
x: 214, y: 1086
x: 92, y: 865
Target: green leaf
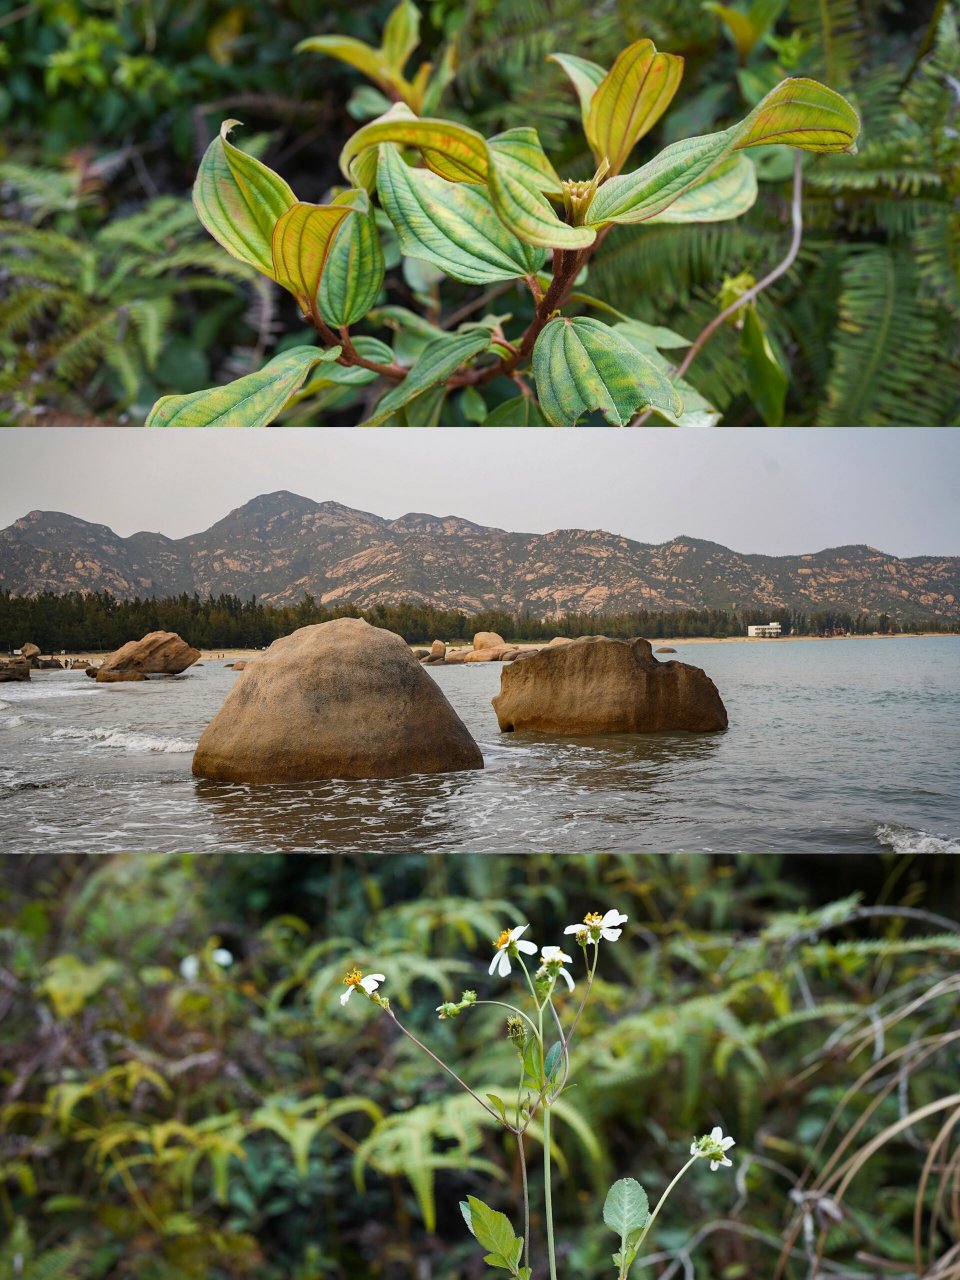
x: 520, y: 152
x: 527, y: 212
x: 452, y: 225
x: 239, y: 201
x: 726, y: 192
x: 438, y: 360
x: 493, y: 1231
x: 697, y: 411
x: 521, y: 412
x: 798, y: 112
x: 586, y: 77
x: 531, y: 1063
x: 552, y: 1061
x: 626, y: 1211
x: 472, y: 405
x: 630, y: 100
x: 651, y: 335
x: 355, y: 375
x: 453, y: 151
x: 302, y: 239
x: 766, y: 380
x: 401, y: 35
x: 253, y: 401
x: 353, y: 277
x: 372, y: 62
x: 582, y: 365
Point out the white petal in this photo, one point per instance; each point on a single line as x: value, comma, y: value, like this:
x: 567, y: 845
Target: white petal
x: 716, y: 1134
x: 567, y: 978
x: 574, y: 928
x: 714, y: 1165
x: 371, y: 982
x: 611, y: 935
x: 346, y: 995
x: 495, y: 961
x: 518, y: 931
x: 528, y: 948
x: 727, y: 1143
x: 693, y: 1148
x: 504, y: 969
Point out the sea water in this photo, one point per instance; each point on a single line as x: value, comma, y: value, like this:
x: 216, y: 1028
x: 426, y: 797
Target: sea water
x: 846, y: 745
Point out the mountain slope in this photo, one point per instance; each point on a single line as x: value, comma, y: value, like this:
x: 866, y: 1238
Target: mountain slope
x: 280, y: 547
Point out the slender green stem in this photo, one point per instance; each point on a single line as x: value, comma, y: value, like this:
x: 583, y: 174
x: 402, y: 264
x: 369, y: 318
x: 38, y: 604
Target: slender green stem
x: 513, y: 1009
x: 663, y: 1200
x: 526, y: 1198
x: 548, y: 1193
x: 449, y: 1070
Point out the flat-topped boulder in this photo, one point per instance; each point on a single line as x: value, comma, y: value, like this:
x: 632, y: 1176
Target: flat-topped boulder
x: 117, y: 677
x: 159, y: 653
x: 339, y: 699
x: 13, y: 670
x: 488, y: 640
x: 600, y: 686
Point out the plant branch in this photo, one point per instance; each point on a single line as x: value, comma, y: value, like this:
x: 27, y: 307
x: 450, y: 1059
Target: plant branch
x: 782, y: 267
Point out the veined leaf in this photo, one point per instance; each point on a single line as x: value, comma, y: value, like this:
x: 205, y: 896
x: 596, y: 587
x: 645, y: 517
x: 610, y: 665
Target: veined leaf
x: 401, y: 35
x: 586, y: 77
x: 355, y: 375
x: 353, y: 277
x: 632, y: 97
x: 626, y: 1211
x: 801, y: 113
x: 529, y: 214
x: 451, y: 150
x: 726, y: 192
x: 521, y: 412
x: 582, y: 365
x: 745, y: 29
x: 239, y: 201
x: 494, y: 1232
x: 438, y: 360
x: 374, y: 63
x: 302, y: 239
x: 697, y: 411
x: 253, y: 401
x: 451, y: 224
x: 521, y: 153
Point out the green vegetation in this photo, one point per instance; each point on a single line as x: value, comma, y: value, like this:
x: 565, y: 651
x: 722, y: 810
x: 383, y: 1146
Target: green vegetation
x: 77, y: 622
x: 108, y: 115
x: 184, y: 1095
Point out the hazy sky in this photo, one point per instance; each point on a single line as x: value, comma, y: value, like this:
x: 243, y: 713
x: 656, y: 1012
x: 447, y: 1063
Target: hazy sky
x: 780, y: 492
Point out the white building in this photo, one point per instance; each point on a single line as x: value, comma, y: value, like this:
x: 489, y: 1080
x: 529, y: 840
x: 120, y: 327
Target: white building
x: 768, y: 631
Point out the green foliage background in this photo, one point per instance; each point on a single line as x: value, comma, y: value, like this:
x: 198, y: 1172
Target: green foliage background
x: 109, y: 297
x: 237, y: 1121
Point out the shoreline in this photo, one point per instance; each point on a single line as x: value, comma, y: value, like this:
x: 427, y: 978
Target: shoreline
x: 236, y: 655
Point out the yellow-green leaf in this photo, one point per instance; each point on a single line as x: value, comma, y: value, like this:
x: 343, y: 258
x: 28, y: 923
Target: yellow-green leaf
x: 451, y: 224
x: 302, y: 240
x: 799, y: 112
x: 372, y: 62
x: 528, y: 214
x: 401, y: 35
x: 239, y: 200
x: 521, y: 153
x: 726, y: 192
x: 630, y: 100
x: 353, y: 277
x: 253, y: 401
x: 586, y: 77
x: 582, y: 366
x: 453, y: 151
x: 438, y: 360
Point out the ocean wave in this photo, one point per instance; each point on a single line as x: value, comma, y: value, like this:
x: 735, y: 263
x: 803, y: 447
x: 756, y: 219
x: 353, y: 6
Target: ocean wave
x: 122, y: 740
x: 907, y: 840
x: 13, y: 722
x: 30, y: 692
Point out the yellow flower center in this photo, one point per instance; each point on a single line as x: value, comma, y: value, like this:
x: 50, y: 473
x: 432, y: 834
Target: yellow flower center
x: 353, y: 978
x: 592, y: 918
x: 502, y: 940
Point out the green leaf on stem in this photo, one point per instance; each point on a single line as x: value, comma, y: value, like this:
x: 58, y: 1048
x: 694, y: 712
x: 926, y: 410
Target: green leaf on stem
x: 798, y: 112
x: 253, y: 401
x: 493, y: 1231
x: 302, y: 239
x: 520, y: 152
x: 451, y: 150
x: 551, y: 1063
x: 626, y: 1211
x: 239, y: 201
x: 355, y: 375
x: 523, y: 411
x: 438, y: 360
x: 401, y: 35
x: 353, y: 276
x: 585, y: 76
x: 583, y: 365
x: 450, y: 224
x: 766, y: 379
x: 726, y: 192
x: 630, y: 100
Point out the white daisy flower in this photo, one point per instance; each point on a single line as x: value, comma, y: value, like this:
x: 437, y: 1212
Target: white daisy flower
x: 713, y: 1148
x: 368, y: 984
x: 595, y: 926
x: 552, y: 960
x: 510, y: 941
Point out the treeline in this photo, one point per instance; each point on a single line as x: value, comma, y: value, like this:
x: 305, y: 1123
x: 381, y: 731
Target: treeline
x: 99, y: 622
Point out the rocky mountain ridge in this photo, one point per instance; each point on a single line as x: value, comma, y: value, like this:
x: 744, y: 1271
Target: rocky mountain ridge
x: 280, y: 547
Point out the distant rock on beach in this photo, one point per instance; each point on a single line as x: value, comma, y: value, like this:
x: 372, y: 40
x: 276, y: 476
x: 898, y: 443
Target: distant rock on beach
x: 158, y: 653
x: 339, y: 699
x: 598, y: 686
x: 14, y: 669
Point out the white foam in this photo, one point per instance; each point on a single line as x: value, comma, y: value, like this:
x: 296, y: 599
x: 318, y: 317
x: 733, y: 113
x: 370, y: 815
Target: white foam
x: 906, y: 840
x: 13, y: 722
x: 121, y: 740
x: 29, y: 692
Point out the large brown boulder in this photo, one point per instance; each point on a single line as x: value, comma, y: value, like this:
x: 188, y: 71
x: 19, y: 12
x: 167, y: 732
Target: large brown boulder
x: 117, y: 677
x: 488, y: 640
x: 438, y: 649
x: 596, y: 685
x: 30, y: 651
x: 159, y: 653
x: 14, y: 669
x: 339, y: 699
